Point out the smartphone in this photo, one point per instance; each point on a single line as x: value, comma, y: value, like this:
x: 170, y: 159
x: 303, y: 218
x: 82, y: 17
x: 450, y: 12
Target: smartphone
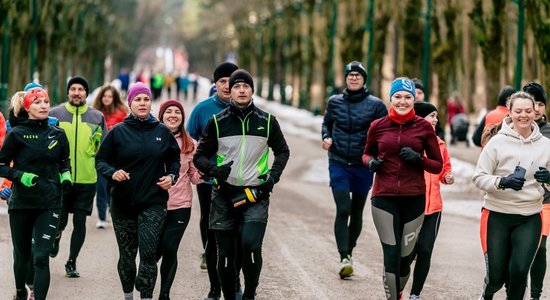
x: 519, y: 172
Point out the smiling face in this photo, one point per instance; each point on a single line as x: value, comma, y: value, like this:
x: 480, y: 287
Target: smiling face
x: 402, y: 102
x: 141, y: 106
x: 432, y: 118
x: 39, y: 109
x: 522, y: 112
x: 172, y: 118
x: 77, y: 94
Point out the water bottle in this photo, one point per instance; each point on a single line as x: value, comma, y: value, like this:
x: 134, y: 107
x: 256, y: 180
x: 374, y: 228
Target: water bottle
x: 248, y: 195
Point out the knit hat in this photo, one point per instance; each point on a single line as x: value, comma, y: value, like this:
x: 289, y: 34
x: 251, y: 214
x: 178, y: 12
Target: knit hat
x: 224, y: 70
x: 418, y: 84
x: 33, y: 94
x: 241, y: 75
x: 32, y: 85
x: 79, y: 80
x: 357, y: 67
x: 537, y: 91
x: 164, y: 105
x: 504, y: 94
x: 402, y: 84
x: 422, y: 109
x: 136, y: 89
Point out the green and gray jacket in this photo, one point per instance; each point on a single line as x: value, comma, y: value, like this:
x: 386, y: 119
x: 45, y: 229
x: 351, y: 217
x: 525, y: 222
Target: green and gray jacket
x: 243, y: 137
x: 84, y: 127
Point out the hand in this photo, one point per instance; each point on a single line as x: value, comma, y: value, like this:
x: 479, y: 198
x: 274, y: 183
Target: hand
x: 449, y: 178
x: 408, y: 154
x: 221, y: 173
x: 542, y: 175
x: 5, y: 193
x: 66, y: 181
x: 511, y: 182
x: 121, y: 175
x: 327, y: 142
x: 29, y: 179
x: 165, y: 182
x: 266, y: 187
x: 375, y: 164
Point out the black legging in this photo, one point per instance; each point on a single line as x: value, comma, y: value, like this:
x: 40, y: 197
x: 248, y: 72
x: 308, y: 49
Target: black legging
x: 79, y: 230
x: 204, y: 193
x: 174, y: 228
x: 140, y: 229
x: 538, y: 269
x: 349, y: 220
x: 251, y: 246
x: 509, y: 243
x: 424, y: 248
x: 398, y: 221
x: 26, y: 226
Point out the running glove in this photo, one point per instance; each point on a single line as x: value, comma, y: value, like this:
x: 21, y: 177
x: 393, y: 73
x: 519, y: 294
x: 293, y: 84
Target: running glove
x: 542, y: 175
x: 408, y: 154
x: 375, y: 164
x: 28, y: 179
x: 5, y: 193
x: 266, y: 187
x: 222, y: 172
x: 66, y: 181
x: 511, y: 182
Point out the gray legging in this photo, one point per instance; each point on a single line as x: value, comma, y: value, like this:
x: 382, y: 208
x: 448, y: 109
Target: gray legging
x: 140, y: 229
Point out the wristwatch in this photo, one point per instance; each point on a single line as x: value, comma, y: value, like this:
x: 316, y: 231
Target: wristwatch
x: 173, y: 178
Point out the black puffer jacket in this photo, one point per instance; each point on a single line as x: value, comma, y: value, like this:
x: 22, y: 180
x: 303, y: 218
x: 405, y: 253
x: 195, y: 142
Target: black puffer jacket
x: 347, y: 120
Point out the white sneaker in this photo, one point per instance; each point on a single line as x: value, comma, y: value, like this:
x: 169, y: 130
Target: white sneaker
x: 100, y: 224
x: 346, y: 268
x: 414, y: 297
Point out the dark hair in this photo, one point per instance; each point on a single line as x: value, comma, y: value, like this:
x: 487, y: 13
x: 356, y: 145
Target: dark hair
x: 117, y: 101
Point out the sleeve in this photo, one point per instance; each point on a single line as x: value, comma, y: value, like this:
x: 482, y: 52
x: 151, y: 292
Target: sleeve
x: 6, y: 156
x: 447, y: 168
x: 172, y: 156
x: 105, y: 156
x: 476, y: 137
x: 193, y: 125
x: 432, y: 163
x: 382, y: 111
x: 208, y: 145
x: 103, y: 125
x: 371, y: 146
x: 328, y: 122
x: 64, y: 159
x: 2, y: 129
x: 280, y: 149
x: 483, y: 175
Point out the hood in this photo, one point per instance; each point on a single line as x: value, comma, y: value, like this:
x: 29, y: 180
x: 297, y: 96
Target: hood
x: 508, y: 131
x: 139, y: 123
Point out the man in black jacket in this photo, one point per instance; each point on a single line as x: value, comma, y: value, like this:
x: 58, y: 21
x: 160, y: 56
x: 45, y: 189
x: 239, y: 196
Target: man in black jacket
x: 345, y: 125
x: 241, y: 136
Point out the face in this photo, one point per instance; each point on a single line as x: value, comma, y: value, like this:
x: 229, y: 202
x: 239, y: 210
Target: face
x: 522, y: 113
x: 141, y: 106
x: 540, y: 109
x: 354, y: 81
x: 172, y: 118
x: 222, y: 89
x: 107, y: 98
x: 77, y: 94
x: 39, y: 109
x: 419, y: 95
x: 402, y: 102
x: 241, y: 93
x: 432, y: 118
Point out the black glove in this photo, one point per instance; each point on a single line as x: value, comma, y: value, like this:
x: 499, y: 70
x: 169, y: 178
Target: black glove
x: 511, y: 182
x: 375, y: 164
x: 542, y: 175
x: 222, y: 172
x: 266, y: 187
x: 408, y: 154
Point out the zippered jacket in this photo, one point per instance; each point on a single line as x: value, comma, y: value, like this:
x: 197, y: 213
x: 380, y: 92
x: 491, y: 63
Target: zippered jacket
x: 243, y: 137
x: 35, y: 147
x: 84, y: 127
x: 434, y: 202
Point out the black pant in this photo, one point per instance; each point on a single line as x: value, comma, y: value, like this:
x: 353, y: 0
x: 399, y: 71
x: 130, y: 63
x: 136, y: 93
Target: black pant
x: 27, y: 226
x: 538, y: 269
x: 139, y: 228
x: 251, y: 247
x: 349, y: 220
x: 398, y: 221
x: 204, y: 192
x: 424, y: 249
x: 174, y: 228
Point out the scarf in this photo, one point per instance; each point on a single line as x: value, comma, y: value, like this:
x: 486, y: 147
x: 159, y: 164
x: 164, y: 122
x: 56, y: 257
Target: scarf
x: 400, y: 119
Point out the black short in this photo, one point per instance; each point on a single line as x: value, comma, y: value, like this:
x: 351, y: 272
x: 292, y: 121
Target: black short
x: 224, y: 217
x: 80, y: 196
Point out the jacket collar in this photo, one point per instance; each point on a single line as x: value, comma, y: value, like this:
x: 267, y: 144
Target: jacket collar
x: 74, y: 109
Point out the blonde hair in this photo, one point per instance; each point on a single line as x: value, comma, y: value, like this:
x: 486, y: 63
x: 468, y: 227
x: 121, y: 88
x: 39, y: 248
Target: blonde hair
x: 17, y: 102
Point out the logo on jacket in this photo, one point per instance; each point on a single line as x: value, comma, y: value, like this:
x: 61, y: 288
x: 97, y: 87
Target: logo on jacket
x: 30, y: 136
x: 159, y: 139
x: 52, y: 144
x: 260, y: 128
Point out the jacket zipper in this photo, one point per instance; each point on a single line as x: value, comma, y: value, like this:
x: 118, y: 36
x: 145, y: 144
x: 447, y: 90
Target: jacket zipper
x: 75, y: 143
x: 399, y: 160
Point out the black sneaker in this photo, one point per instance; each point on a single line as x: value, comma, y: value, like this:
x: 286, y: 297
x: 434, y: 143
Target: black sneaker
x: 164, y: 296
x: 55, y: 248
x: 214, y: 294
x: 70, y: 270
x: 21, y: 294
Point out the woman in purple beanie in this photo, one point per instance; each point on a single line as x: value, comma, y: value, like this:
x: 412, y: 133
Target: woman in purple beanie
x: 142, y: 159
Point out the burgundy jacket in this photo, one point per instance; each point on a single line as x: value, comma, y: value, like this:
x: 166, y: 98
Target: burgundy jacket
x: 398, y: 177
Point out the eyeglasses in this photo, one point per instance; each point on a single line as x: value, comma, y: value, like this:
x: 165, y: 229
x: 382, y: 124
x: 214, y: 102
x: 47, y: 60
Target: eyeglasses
x: 354, y: 75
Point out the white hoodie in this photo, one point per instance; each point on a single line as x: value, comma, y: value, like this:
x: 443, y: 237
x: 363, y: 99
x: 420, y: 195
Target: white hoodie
x: 500, y: 157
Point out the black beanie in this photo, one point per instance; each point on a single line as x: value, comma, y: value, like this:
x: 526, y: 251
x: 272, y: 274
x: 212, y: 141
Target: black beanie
x: 241, y: 75
x: 537, y: 91
x: 504, y: 94
x: 422, y: 109
x: 357, y: 67
x: 418, y: 84
x: 79, y: 80
x: 224, y: 70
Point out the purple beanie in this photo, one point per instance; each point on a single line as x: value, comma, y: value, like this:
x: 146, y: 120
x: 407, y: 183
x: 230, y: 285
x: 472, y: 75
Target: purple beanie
x: 136, y: 89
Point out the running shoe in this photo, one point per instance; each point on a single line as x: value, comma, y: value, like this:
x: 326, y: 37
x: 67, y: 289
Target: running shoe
x: 203, y: 261
x: 30, y: 289
x: 346, y: 268
x: 164, y: 296
x: 100, y: 224
x: 70, y: 270
x: 214, y: 294
x: 20, y: 295
x: 414, y: 297
x: 55, y: 247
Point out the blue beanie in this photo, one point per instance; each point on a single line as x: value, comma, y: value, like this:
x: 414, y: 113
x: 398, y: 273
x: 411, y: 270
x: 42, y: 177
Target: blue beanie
x: 402, y: 84
x: 32, y: 85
